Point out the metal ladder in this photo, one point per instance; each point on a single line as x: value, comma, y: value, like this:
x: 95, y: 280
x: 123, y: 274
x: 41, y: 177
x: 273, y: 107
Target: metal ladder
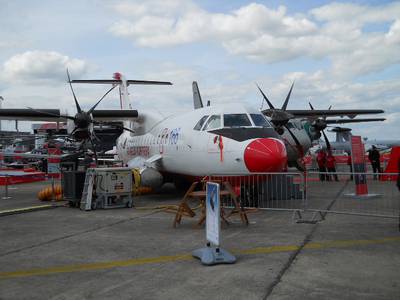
x: 86, y: 200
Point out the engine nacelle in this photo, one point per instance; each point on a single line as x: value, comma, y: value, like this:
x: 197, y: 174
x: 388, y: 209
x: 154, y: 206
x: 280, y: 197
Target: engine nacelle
x: 148, y: 177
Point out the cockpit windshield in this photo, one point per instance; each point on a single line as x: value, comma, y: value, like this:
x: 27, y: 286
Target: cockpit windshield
x: 200, y: 123
x: 236, y: 120
x: 213, y: 122
x: 260, y: 120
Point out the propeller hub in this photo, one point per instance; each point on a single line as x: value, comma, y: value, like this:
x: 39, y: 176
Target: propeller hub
x: 319, y: 124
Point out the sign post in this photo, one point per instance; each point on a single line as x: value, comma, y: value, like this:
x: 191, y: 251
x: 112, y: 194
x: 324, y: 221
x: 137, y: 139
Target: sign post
x: 359, y: 169
x: 358, y: 160
x: 213, y: 254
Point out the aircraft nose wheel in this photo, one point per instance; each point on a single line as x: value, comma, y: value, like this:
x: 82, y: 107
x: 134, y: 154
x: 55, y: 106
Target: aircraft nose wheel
x: 94, y: 205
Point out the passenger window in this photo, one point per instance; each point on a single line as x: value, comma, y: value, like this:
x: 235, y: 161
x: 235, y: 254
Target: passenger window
x: 260, y: 120
x: 213, y: 122
x: 236, y: 120
x: 200, y: 123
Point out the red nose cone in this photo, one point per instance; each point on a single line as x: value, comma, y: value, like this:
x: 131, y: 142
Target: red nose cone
x: 265, y: 155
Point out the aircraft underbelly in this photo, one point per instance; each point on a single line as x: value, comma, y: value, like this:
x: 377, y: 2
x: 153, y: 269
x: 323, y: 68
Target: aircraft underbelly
x: 201, y: 164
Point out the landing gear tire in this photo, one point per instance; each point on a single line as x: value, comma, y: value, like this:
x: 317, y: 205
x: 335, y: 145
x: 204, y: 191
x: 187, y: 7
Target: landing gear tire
x: 94, y: 205
x: 182, y: 185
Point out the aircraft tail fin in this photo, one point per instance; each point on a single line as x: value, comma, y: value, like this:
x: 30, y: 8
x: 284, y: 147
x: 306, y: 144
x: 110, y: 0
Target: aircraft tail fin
x: 197, y: 102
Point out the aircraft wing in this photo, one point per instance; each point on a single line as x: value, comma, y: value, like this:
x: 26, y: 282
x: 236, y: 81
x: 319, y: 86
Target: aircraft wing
x: 343, y: 121
x: 31, y: 115
x: 307, y: 113
x: 152, y: 160
x: 34, y: 155
x: 54, y: 115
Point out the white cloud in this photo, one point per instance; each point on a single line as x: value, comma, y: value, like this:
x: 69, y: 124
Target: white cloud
x: 190, y: 23
x: 334, y: 31
x: 39, y: 66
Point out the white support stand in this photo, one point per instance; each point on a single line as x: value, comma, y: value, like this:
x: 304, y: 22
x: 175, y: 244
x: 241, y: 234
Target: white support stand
x: 213, y: 255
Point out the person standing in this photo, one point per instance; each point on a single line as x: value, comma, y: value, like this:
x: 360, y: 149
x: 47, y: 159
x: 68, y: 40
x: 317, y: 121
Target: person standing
x: 330, y: 165
x: 374, y: 157
x: 398, y: 175
x: 350, y: 164
x: 321, y: 161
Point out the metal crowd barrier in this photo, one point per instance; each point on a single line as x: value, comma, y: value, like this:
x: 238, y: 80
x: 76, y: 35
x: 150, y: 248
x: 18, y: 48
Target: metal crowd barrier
x: 277, y: 191
x: 6, y: 187
x: 305, y: 192
x: 382, y: 197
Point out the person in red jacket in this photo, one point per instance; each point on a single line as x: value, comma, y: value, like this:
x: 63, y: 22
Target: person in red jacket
x: 321, y: 161
x: 350, y: 164
x: 330, y: 165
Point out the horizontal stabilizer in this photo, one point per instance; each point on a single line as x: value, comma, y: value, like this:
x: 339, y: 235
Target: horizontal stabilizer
x: 116, y: 81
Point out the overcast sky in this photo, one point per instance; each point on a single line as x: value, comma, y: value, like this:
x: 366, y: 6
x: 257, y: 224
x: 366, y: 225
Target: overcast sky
x: 344, y: 54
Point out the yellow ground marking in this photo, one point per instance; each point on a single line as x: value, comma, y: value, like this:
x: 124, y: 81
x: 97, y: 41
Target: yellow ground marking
x: 183, y: 257
x: 15, y: 210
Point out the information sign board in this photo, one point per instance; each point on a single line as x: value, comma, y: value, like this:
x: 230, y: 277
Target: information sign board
x: 213, y: 224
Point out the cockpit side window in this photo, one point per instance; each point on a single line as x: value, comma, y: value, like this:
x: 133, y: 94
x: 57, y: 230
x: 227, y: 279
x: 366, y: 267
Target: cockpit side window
x: 260, y: 120
x: 213, y: 122
x: 236, y: 120
x: 200, y: 123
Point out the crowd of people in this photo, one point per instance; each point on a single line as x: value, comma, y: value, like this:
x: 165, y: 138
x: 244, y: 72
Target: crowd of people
x: 326, y: 166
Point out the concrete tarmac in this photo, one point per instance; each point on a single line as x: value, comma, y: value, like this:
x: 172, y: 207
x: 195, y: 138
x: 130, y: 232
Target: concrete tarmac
x: 65, y: 253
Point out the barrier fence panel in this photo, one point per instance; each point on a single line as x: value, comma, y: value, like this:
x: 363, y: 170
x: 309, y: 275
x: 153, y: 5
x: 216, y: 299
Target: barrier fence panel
x: 5, y: 180
x: 378, y: 197
x: 278, y: 191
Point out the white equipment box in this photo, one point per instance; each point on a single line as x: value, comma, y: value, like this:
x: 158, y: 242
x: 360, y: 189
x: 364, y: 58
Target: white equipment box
x: 113, y: 180
x: 107, y: 188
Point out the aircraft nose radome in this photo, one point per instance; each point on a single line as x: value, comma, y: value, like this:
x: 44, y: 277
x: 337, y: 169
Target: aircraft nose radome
x: 265, y: 155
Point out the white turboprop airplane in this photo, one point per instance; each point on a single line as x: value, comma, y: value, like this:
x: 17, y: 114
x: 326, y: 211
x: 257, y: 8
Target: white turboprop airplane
x: 209, y: 140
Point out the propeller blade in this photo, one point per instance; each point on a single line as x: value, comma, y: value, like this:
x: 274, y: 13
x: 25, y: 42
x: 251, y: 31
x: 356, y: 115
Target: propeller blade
x: 287, y: 97
x: 73, y: 131
x: 50, y: 114
x: 94, y: 149
x: 298, y: 145
x: 312, y: 108
x: 328, y: 145
x: 78, y: 108
x: 329, y: 108
x: 127, y: 129
x: 94, y: 106
x: 265, y: 98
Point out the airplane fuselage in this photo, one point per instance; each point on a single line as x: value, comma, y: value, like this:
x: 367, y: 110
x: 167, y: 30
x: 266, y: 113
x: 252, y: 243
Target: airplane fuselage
x: 201, y: 142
